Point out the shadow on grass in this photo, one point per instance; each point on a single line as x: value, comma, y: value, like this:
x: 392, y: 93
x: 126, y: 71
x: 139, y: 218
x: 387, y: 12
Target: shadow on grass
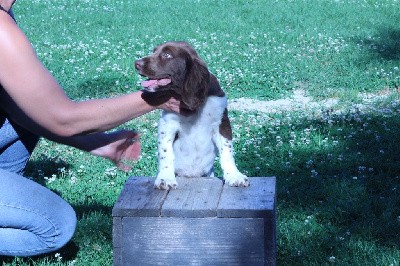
x: 43, y: 166
x: 384, y: 45
x: 67, y: 253
x: 338, y: 189
x: 335, y: 193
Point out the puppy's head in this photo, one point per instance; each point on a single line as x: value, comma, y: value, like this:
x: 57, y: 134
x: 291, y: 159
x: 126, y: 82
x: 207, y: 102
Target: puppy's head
x: 176, y: 68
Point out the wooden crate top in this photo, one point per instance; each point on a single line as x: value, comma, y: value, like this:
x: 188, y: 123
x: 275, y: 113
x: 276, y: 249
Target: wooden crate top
x: 197, y: 198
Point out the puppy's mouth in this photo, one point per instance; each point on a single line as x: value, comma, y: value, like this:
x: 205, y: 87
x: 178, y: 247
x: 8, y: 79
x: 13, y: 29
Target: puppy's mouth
x: 152, y: 84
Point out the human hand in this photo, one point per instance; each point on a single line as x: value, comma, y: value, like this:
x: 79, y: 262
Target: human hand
x: 172, y: 105
x: 163, y: 99
x: 123, y: 149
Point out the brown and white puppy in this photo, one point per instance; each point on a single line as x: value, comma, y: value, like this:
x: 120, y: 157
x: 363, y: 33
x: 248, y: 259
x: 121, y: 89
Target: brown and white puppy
x: 188, y: 142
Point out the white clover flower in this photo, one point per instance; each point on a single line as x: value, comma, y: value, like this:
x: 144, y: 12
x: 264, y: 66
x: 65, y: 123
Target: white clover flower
x: 58, y: 256
x: 72, y: 179
x: 314, y: 173
x: 51, y: 179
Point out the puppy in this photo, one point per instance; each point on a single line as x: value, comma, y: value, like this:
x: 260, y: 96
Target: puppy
x: 188, y: 142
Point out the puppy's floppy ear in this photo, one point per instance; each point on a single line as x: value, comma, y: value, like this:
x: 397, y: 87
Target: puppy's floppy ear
x: 196, y: 84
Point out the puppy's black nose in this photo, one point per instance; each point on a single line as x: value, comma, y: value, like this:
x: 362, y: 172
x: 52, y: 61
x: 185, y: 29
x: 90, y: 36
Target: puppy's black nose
x: 139, y: 64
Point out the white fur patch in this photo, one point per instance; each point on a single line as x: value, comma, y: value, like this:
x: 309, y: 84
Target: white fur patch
x: 188, y: 146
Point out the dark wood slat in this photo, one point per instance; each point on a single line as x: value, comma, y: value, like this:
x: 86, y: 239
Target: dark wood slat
x: 192, y: 241
x: 194, y: 197
x: 139, y: 198
x: 257, y: 200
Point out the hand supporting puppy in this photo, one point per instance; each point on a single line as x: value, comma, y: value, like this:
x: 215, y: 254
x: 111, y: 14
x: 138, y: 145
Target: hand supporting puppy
x: 122, y: 148
x: 172, y: 105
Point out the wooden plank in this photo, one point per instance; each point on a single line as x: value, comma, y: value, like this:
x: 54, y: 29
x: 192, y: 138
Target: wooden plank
x: 257, y: 200
x: 117, y: 231
x: 192, y: 241
x: 117, y: 256
x: 139, y: 198
x: 194, y: 197
x: 270, y: 240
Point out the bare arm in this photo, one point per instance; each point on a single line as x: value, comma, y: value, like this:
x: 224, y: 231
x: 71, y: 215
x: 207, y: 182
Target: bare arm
x: 36, y: 100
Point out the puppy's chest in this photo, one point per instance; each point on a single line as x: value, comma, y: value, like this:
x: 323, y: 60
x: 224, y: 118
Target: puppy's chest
x: 196, y: 129
x: 205, y: 121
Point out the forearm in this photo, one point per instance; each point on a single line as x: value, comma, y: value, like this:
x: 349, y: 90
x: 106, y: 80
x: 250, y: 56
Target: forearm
x: 86, y: 143
x: 67, y: 119
x: 104, y: 114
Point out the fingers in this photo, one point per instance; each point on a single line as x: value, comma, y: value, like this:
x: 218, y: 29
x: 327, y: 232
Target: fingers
x: 124, y: 148
x: 173, y: 105
x: 130, y: 153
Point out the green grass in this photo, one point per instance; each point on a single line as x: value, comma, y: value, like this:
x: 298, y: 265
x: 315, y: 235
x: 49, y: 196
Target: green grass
x: 337, y: 169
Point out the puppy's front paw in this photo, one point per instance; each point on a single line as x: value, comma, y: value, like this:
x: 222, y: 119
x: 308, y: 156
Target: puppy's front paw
x: 165, y: 182
x: 236, y: 179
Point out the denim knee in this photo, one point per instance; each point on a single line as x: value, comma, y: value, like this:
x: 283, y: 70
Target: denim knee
x: 39, y: 233
x: 68, y: 225
x: 62, y: 227
x: 33, y: 220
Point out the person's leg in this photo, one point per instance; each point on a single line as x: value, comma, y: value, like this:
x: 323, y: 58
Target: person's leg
x: 16, y: 146
x: 33, y: 219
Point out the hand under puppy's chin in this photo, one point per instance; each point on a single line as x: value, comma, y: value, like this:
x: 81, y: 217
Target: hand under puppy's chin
x: 156, y: 97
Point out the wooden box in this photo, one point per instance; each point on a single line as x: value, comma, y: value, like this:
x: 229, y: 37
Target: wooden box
x: 202, y: 222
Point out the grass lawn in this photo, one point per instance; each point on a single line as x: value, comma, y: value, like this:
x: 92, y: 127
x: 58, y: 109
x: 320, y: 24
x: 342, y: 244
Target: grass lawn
x: 337, y: 166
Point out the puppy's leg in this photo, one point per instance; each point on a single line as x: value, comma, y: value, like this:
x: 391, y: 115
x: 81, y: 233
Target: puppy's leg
x: 167, y: 129
x: 223, y: 140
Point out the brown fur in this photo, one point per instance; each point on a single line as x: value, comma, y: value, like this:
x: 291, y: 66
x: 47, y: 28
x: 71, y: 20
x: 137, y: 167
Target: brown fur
x: 191, y: 82
x: 225, y: 126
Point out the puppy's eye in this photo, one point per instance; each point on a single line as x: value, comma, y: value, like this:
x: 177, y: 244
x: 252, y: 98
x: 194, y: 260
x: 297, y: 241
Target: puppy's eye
x: 166, y: 55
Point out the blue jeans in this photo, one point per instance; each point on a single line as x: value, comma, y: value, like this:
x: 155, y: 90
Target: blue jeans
x: 33, y: 219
